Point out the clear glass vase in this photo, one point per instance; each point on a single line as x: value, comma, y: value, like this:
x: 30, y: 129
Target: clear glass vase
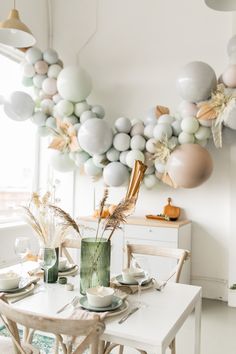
x: 94, y: 263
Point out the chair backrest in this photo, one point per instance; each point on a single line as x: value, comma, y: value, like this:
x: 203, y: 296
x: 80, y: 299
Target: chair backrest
x: 89, y: 329
x: 179, y: 254
x: 69, y: 243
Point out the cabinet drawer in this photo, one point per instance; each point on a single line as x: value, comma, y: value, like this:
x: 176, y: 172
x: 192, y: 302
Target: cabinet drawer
x: 151, y: 233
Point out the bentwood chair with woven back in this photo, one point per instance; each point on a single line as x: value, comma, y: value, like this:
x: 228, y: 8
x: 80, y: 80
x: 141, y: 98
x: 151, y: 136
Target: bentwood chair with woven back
x: 69, y: 243
x: 65, y: 330
x: 177, y: 254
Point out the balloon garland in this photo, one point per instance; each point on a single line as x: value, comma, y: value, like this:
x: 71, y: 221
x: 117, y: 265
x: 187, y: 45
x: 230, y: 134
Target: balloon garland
x: 172, y: 146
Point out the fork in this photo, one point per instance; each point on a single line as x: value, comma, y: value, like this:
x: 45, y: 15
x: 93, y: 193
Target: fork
x: 73, y: 303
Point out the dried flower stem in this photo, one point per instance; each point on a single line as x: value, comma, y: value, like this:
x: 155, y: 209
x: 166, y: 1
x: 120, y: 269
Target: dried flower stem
x: 101, y: 207
x: 68, y: 221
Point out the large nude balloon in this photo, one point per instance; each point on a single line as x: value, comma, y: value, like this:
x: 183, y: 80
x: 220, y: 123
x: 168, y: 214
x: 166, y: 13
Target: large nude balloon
x: 196, y: 81
x: 189, y: 165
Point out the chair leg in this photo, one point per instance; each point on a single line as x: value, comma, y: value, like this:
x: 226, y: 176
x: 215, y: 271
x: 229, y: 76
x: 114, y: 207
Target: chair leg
x: 121, y: 349
x: 172, y: 347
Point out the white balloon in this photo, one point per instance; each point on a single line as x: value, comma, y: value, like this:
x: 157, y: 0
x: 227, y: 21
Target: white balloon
x: 162, y: 131
x: 61, y: 161
x: 173, y: 141
x: 74, y: 84
x: 81, y: 157
x: 138, y: 143
x: 160, y: 167
x: 41, y: 67
x: 137, y: 129
x: 49, y: 86
x: 166, y: 118
x: 81, y: 107
x: 206, y: 122
x: 150, y: 181
x: 123, y: 125
x: 50, y: 56
x: 134, y: 155
x: 148, y: 131
x: 187, y: 109
x: 20, y: 106
x: 28, y: 70
x: 121, y: 141
x: 91, y: 170
x: 203, y: 143
x: 203, y: 133
x: 27, y: 81
x: 39, y: 118
x: 112, y: 154
x: 43, y: 131
x: 33, y: 54
x: 87, y: 115
x: 136, y: 121
x: 71, y: 120
x: 47, y: 106
x: 151, y: 117
x: 123, y: 156
x: 54, y: 70
x: 51, y: 123
x: 95, y: 136
x: 190, y: 125
x: 56, y: 98
x: 185, y: 138
x: 231, y: 118
x: 151, y: 145
x: 98, y: 110
x: 38, y: 80
x: 77, y: 127
x: 176, y: 127
x: 115, y: 174
x: 100, y: 160
x: 65, y: 108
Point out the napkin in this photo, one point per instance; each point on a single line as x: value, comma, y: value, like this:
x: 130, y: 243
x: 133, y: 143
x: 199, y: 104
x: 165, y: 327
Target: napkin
x: 128, y: 289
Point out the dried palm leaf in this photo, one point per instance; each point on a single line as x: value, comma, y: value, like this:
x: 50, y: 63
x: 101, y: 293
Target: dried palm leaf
x: 207, y: 112
x: 160, y: 110
x: 101, y: 207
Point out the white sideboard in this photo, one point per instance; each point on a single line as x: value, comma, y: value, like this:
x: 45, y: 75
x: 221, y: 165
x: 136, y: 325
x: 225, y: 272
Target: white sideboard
x: 175, y: 234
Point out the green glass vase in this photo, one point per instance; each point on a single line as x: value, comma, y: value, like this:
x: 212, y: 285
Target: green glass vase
x: 94, y: 263
x: 53, y: 271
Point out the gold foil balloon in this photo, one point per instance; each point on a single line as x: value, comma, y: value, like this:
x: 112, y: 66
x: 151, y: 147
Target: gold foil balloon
x: 189, y: 165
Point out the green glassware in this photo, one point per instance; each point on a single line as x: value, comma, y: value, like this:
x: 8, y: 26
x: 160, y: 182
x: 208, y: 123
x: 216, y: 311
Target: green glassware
x: 94, y: 263
x: 53, y: 271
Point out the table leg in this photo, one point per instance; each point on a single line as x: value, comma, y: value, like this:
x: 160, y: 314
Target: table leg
x: 198, y: 308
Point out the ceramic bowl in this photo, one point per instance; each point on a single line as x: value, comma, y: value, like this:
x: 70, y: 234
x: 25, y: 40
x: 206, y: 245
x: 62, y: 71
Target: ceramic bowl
x: 62, y: 263
x: 100, y: 296
x: 130, y: 274
x: 9, y: 280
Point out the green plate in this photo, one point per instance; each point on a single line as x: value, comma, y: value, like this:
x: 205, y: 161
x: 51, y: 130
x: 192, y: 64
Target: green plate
x: 120, y: 280
x: 116, y: 303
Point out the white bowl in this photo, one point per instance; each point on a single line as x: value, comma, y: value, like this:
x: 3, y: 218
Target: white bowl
x: 9, y: 280
x: 129, y: 275
x: 100, y: 296
x: 62, y: 263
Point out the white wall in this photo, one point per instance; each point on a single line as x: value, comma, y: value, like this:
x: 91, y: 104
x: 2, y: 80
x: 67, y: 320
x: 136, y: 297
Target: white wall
x: 134, y: 56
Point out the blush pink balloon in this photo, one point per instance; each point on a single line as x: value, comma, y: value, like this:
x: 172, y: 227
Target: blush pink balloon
x: 189, y: 165
x: 229, y: 76
x: 41, y: 67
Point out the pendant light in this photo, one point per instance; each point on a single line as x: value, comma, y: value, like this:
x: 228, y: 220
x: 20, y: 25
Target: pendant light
x: 221, y: 5
x: 15, y: 33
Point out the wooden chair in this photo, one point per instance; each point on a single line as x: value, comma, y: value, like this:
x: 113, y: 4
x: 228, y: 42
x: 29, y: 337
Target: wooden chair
x: 149, y: 250
x: 89, y: 330
x: 71, y: 244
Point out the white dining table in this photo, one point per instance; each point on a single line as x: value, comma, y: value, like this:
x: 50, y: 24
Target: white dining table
x: 152, y: 328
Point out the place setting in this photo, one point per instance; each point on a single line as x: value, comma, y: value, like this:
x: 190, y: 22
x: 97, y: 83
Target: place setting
x: 66, y: 268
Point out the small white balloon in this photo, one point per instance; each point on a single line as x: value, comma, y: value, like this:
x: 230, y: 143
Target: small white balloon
x: 56, y: 98
x: 47, y: 106
x: 81, y: 157
x: 50, y: 56
x: 134, y: 155
x: 54, y: 70
x: 100, y: 160
x: 137, y: 129
x: 160, y: 167
x: 205, y: 122
x: 166, y: 118
x: 33, y: 54
x: 148, y: 131
x: 39, y: 118
x: 138, y: 143
x: 27, y: 81
x: 187, y: 109
x: 87, y: 115
x: 28, y: 70
x: 203, y: 133
x: 38, y: 80
x: 151, y: 145
x: 185, y: 138
x: 230, y: 122
x: 74, y: 84
x: 71, y: 120
x: 81, y: 107
x: 61, y: 161
x: 162, y: 131
x: 20, y: 106
x: 123, y: 125
x: 136, y: 121
x: 115, y: 174
x: 176, y: 127
x: 99, y: 111
x: 65, y: 108
x: 203, y: 143
x: 190, y: 125
x: 91, y: 170
x: 123, y: 156
x: 112, y: 154
x: 121, y: 141
x: 41, y: 67
x: 43, y: 131
x: 49, y: 86
x: 150, y: 181
x: 51, y: 123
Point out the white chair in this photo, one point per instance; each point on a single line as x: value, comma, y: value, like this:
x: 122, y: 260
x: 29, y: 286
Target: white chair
x: 88, y: 330
x: 71, y: 244
x: 178, y: 254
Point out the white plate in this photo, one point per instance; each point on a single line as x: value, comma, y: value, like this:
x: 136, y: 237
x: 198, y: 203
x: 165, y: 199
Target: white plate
x: 120, y: 310
x: 72, y: 271
x: 27, y: 290
x: 120, y: 280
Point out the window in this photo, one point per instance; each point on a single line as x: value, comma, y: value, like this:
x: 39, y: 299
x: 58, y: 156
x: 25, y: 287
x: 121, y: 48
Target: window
x: 17, y: 147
